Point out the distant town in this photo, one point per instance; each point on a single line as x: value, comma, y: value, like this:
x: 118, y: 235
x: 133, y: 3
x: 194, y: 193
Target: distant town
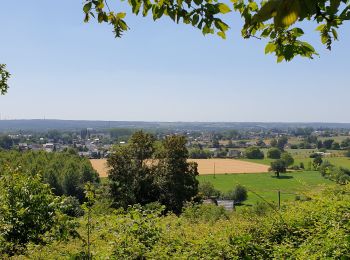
x: 204, y: 140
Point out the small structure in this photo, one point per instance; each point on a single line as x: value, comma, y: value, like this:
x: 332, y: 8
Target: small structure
x: 234, y: 153
x: 23, y: 146
x: 49, y: 147
x: 227, y: 204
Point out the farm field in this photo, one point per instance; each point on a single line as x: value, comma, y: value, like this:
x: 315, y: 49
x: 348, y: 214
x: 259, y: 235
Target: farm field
x: 303, y: 155
x: 266, y: 185
x: 205, y: 166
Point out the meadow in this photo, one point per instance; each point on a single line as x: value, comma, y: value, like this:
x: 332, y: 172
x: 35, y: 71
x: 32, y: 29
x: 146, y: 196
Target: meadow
x: 266, y: 185
x: 303, y: 156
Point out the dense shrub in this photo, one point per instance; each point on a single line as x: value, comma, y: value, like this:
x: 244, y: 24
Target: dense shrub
x: 204, y: 212
x: 29, y: 211
x: 311, y: 229
x: 207, y: 190
x: 338, y: 174
x: 254, y: 153
x: 197, y: 153
x: 238, y: 194
x: 71, y: 207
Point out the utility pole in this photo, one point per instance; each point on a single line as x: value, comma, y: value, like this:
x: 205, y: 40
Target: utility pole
x: 214, y: 171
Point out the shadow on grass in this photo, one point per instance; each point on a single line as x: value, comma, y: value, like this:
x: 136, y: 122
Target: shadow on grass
x: 283, y: 177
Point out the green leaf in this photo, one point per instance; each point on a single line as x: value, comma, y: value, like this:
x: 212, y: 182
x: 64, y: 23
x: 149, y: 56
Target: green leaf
x: 224, y: 9
x: 280, y: 59
x: 335, y: 34
x: 298, y: 32
x: 221, y: 25
x: 320, y: 27
x: 195, y: 19
x: 100, y: 17
x: 87, y: 7
x: 87, y: 18
x: 324, y: 38
x: 222, y: 35
x: 121, y: 15
x: 270, y: 47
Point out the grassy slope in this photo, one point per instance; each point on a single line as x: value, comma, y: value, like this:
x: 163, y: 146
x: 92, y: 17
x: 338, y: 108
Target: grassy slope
x: 266, y: 185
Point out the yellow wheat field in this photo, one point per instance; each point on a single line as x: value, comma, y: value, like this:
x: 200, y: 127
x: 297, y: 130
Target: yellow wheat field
x: 205, y: 166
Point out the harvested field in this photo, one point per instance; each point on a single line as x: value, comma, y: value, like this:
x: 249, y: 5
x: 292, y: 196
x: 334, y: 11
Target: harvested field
x: 205, y: 166
x: 222, y: 166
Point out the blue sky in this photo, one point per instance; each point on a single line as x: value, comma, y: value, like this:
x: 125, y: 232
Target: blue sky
x: 159, y: 71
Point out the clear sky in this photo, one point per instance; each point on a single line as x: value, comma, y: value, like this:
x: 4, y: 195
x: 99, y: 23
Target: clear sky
x: 63, y: 68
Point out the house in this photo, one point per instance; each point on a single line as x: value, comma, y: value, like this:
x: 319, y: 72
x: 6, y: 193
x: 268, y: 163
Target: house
x: 234, y: 153
x: 49, y: 147
x: 23, y: 146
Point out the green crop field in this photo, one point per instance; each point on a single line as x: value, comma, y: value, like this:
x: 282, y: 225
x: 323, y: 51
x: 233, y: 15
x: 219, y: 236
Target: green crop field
x: 267, y: 186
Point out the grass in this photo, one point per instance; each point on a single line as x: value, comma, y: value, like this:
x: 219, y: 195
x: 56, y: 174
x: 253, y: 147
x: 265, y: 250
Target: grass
x: 267, y: 186
x: 339, y: 161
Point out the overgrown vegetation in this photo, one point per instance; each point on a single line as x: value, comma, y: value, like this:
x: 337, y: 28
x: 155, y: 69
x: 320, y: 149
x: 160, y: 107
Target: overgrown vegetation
x: 65, y: 172
x: 338, y: 174
x: 29, y: 213
x: 310, y: 229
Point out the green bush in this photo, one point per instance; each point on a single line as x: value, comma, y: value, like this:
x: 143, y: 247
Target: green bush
x: 238, y: 194
x: 305, y: 229
x: 204, y: 212
x: 207, y: 190
x: 274, y: 153
x: 71, y: 207
x: 29, y: 211
x: 254, y: 153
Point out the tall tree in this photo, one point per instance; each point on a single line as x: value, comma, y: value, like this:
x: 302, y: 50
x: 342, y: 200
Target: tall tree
x: 176, y: 177
x: 140, y: 173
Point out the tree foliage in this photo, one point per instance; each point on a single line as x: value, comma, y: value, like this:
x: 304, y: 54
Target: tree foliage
x: 145, y: 171
x: 278, y: 166
x: 272, y: 20
x: 4, y: 76
x: 239, y: 194
x: 338, y: 174
x: 287, y: 158
x: 254, y: 153
x: 29, y: 212
x: 314, y: 229
x: 274, y: 153
x: 65, y: 172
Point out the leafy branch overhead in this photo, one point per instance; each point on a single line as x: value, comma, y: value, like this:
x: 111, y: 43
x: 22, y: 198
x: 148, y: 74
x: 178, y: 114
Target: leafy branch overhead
x: 4, y: 76
x: 273, y: 19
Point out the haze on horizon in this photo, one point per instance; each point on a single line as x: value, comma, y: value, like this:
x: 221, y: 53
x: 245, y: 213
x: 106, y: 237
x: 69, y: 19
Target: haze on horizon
x: 160, y: 71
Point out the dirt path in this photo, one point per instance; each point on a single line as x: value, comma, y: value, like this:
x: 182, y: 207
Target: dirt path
x: 205, y: 166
